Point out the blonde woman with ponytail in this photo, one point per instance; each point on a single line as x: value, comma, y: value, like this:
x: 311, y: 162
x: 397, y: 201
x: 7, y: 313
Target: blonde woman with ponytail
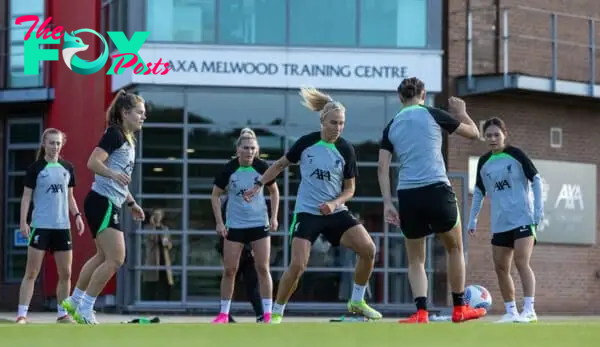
x: 328, y: 170
x: 247, y: 222
x: 112, y: 163
x: 49, y: 183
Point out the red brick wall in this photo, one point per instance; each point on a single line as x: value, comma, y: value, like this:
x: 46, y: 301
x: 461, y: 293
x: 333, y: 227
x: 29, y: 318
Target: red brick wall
x: 566, y: 275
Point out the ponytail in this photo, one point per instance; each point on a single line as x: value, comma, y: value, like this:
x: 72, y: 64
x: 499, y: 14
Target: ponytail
x: 123, y: 101
x: 246, y: 134
x: 316, y: 100
x: 41, y: 153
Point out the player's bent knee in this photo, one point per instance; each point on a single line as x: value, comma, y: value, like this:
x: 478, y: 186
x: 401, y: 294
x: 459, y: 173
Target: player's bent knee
x: 297, y: 268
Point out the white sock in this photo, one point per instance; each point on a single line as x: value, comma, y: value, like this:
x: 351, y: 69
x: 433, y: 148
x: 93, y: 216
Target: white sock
x: 61, y: 311
x: 358, y: 293
x: 528, y: 304
x: 77, y: 295
x: 511, y: 307
x: 278, y: 308
x: 87, y: 303
x: 267, y: 305
x: 23, y: 310
x: 225, y: 306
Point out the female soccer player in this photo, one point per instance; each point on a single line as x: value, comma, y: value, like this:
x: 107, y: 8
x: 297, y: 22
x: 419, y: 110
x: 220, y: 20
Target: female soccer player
x: 49, y: 183
x: 504, y: 174
x: 246, y: 223
x: 112, y: 162
x: 426, y: 201
x: 328, y: 170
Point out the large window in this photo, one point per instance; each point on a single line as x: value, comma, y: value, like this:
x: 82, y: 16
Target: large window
x: 16, y: 76
x: 191, y: 133
x: 393, y: 23
x: 22, y: 143
x: 252, y: 22
x: 320, y: 23
x: 190, y: 21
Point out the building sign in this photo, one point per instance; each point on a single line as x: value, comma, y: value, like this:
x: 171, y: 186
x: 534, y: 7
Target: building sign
x: 569, y: 195
x: 286, y: 67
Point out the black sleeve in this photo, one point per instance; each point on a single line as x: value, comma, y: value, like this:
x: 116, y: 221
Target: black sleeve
x: 385, y: 139
x: 478, y: 181
x: 32, y: 173
x: 69, y: 167
x: 444, y: 119
x: 222, y: 178
x: 295, y: 153
x: 261, y: 166
x: 528, y: 167
x: 112, y: 140
x: 347, y: 151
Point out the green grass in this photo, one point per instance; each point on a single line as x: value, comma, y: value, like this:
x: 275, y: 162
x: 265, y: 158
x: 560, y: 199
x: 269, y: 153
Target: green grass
x: 554, y: 334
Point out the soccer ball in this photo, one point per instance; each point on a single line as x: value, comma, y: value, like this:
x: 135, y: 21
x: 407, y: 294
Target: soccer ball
x: 477, y: 296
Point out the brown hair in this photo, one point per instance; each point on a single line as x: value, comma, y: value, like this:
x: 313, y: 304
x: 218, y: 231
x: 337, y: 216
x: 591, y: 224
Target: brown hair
x: 42, y: 151
x: 123, y: 101
x: 318, y: 101
x: 497, y: 122
x: 410, y: 87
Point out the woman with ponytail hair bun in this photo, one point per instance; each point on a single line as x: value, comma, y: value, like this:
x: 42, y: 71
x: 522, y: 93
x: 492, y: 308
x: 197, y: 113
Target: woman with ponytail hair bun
x: 112, y: 163
x: 247, y: 222
x: 328, y: 173
x: 49, y: 183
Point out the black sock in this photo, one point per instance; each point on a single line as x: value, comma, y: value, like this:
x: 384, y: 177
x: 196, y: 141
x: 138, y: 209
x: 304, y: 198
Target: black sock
x: 458, y: 299
x: 421, y: 303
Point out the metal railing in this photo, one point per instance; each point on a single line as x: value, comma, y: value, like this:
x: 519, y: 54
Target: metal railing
x: 529, y: 41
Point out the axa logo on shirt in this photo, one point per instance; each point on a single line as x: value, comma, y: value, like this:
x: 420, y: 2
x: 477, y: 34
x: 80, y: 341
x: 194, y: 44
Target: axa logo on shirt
x: 501, y: 185
x: 128, y: 57
x: 323, y: 175
x: 55, y: 189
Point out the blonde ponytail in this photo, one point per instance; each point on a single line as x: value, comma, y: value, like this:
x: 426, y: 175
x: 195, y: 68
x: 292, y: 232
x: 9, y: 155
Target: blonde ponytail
x: 318, y: 101
x: 246, y: 134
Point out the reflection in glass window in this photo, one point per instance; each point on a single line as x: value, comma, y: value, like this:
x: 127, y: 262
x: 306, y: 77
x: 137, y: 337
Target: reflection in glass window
x: 163, y: 143
x: 17, y: 77
x: 230, y: 107
x: 161, y: 178
x: 322, y: 23
x: 201, y: 216
x: 159, y: 290
x: 173, y: 209
x: 190, y: 21
x: 393, y: 23
x: 252, y: 22
x: 220, y: 143
x: 163, y: 106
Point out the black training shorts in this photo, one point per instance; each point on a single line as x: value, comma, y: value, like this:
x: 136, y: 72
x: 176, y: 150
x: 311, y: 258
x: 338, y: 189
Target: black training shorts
x: 53, y: 240
x: 101, y: 213
x: 308, y: 226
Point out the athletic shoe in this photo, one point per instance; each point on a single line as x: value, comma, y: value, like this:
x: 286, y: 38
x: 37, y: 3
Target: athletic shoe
x: 464, y: 313
x: 87, y: 317
x: 527, y: 317
x: 222, y: 318
x: 21, y: 320
x: 276, y: 318
x: 361, y: 307
x: 66, y: 319
x: 508, y: 318
x: 267, y: 318
x: 421, y: 317
x: 71, y: 307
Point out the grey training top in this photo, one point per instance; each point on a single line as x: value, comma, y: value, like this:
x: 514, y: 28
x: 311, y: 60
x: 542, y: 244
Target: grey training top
x: 415, y: 136
x: 50, y: 183
x: 121, y: 158
x: 237, y: 179
x: 323, y: 168
x: 504, y: 178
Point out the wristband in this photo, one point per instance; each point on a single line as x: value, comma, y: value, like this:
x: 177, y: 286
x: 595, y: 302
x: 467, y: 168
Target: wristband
x: 130, y: 203
x: 259, y: 183
x: 77, y: 214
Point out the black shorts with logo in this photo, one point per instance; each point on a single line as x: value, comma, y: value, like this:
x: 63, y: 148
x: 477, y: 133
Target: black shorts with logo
x: 101, y: 213
x: 508, y: 238
x: 427, y: 210
x: 53, y: 240
x: 309, y: 226
x: 247, y: 235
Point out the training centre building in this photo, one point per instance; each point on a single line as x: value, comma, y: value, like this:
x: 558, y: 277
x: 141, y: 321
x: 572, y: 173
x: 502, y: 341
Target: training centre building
x: 239, y: 64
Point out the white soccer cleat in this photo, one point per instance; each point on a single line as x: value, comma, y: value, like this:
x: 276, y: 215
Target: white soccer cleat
x: 528, y: 317
x: 87, y: 317
x: 509, y: 318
